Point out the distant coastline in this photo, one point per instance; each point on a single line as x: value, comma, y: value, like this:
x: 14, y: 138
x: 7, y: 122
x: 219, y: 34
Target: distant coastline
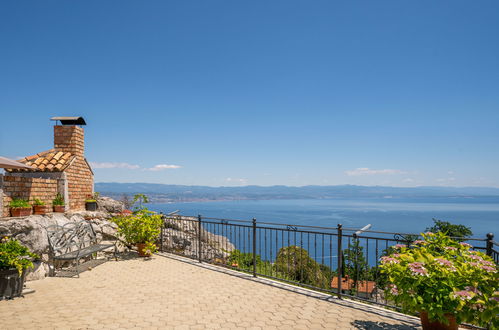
x: 162, y: 193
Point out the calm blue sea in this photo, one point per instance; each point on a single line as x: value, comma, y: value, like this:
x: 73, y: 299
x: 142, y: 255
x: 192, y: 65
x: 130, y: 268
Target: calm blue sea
x: 394, y: 215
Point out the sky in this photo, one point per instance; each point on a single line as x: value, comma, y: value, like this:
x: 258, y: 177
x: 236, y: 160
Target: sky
x: 228, y: 93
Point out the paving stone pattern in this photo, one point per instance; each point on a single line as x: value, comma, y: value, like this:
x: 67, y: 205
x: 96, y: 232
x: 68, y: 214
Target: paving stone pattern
x: 168, y: 293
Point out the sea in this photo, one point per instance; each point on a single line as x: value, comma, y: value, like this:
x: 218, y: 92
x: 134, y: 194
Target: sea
x: 383, y: 214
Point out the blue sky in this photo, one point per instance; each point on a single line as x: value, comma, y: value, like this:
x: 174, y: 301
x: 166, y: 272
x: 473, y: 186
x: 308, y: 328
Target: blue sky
x: 401, y: 93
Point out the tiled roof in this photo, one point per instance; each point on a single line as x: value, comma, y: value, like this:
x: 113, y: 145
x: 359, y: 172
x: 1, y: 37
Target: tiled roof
x: 348, y: 284
x: 48, y: 161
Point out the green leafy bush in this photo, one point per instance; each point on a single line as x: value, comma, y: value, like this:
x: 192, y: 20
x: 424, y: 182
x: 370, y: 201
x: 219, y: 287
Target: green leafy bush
x: 58, y: 200
x: 19, y: 203
x: 442, y: 276
x: 142, y: 226
x: 15, y: 255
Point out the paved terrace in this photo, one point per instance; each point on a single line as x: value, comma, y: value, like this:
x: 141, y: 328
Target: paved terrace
x: 172, y: 293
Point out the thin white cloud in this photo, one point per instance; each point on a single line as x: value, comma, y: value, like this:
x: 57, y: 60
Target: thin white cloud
x: 408, y: 180
x: 161, y: 167
x: 368, y: 171
x: 239, y: 181
x: 114, y: 165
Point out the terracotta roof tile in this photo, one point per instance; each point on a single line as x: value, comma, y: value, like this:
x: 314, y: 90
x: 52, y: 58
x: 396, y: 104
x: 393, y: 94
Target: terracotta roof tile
x: 348, y: 284
x: 48, y: 161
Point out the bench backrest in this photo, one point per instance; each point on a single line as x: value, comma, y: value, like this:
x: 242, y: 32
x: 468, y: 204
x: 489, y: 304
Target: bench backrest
x: 70, y: 237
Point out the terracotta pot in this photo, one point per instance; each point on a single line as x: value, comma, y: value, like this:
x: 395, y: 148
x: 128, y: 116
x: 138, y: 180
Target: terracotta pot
x: 59, y: 208
x: 140, y: 249
x: 435, y: 325
x: 40, y: 209
x: 20, y: 211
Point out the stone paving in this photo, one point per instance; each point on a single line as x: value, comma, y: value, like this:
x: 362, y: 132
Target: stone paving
x: 172, y: 293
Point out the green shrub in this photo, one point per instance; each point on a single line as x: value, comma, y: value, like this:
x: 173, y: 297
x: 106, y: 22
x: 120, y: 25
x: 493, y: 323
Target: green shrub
x: 18, y: 203
x: 142, y: 226
x: 15, y: 255
x: 442, y: 276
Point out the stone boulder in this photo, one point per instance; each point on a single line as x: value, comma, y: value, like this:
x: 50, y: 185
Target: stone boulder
x: 109, y: 205
x: 31, y: 232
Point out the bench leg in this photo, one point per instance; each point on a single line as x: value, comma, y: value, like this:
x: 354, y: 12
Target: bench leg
x: 78, y: 268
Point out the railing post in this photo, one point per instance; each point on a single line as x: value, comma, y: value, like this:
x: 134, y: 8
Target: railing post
x: 490, y: 244
x: 199, y: 237
x: 161, y: 232
x: 254, y: 247
x: 340, y: 259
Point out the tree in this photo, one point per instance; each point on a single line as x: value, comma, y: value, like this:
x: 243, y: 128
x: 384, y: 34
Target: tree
x: 296, y: 263
x: 450, y: 229
x: 127, y: 202
x: 354, y: 262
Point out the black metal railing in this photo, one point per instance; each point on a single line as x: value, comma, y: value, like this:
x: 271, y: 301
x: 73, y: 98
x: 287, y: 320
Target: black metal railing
x: 339, y: 261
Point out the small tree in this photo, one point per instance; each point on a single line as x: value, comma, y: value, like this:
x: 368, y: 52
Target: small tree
x: 127, y: 202
x: 450, y: 229
x: 354, y: 262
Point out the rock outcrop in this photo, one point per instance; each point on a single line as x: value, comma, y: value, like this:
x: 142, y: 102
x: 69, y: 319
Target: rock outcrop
x: 180, y: 235
x: 109, y: 205
x: 31, y: 232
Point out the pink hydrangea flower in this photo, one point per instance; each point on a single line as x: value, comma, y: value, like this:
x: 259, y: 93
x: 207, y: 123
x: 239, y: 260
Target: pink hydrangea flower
x: 450, y: 248
x: 466, y: 245
x: 418, y: 269
x: 393, y: 289
x: 399, y: 246
x: 463, y: 295
x: 417, y: 242
x: 489, y: 269
x: 389, y: 260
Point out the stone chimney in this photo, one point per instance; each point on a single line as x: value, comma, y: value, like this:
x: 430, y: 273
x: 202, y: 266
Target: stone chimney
x: 69, y: 139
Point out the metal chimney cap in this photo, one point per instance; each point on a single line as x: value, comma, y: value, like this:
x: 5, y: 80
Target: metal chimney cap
x: 70, y: 120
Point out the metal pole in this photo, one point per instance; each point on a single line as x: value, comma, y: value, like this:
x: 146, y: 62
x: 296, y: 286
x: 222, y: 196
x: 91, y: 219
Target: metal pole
x: 340, y: 259
x: 254, y: 247
x: 490, y: 244
x: 161, y: 232
x: 199, y: 237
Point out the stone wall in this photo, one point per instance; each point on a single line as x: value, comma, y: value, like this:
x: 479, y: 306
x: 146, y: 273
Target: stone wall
x: 80, y: 183
x: 29, y: 188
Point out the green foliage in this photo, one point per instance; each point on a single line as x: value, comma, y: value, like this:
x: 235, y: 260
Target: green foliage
x: 15, y: 255
x: 440, y: 275
x: 354, y: 262
x: 139, y: 200
x: 244, y: 260
x: 296, y: 263
x: 38, y: 202
x: 450, y: 229
x: 58, y: 200
x: 19, y: 203
x: 143, y: 226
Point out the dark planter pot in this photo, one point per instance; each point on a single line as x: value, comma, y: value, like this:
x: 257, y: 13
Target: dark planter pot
x: 91, y: 206
x: 40, y: 209
x: 140, y: 249
x: 435, y: 325
x: 20, y: 211
x: 59, y: 208
x: 11, y: 284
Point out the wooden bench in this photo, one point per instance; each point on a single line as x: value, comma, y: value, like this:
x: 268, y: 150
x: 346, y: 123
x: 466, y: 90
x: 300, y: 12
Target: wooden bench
x: 73, y: 241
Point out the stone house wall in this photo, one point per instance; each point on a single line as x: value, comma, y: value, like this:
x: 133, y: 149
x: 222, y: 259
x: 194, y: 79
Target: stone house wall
x: 29, y: 188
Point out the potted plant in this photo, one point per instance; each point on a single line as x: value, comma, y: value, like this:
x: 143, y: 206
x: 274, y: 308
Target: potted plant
x: 15, y: 258
x: 58, y: 204
x: 140, y: 229
x: 444, y: 281
x: 91, y: 202
x: 39, y: 206
x: 20, y: 207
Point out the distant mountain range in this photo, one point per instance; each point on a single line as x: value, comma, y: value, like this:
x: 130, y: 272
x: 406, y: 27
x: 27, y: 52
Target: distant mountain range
x: 176, y: 193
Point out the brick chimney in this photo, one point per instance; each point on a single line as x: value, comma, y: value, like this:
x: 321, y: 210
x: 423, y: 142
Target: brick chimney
x: 69, y: 139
